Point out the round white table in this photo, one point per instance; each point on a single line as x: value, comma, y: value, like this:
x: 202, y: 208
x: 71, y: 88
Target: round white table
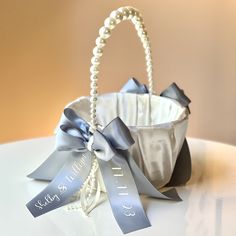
x: 208, y: 207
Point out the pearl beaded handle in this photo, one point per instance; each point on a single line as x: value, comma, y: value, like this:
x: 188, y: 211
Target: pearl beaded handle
x: 121, y: 14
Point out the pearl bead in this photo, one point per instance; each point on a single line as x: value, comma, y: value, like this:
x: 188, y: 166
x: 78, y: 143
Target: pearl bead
x: 149, y: 68
x: 145, y: 44
x: 147, y: 50
x: 149, y: 73
x: 94, y: 69
x: 142, y: 33
x: 94, y: 84
x: 125, y: 12
x: 100, y: 42
x: 93, y: 120
x: 137, y: 19
x: 148, y: 58
x: 110, y: 23
x: 93, y: 106
x: 145, y: 38
x: 149, y: 63
x: 93, y: 110
x: 131, y: 12
x: 93, y: 93
x: 104, y: 32
x: 136, y: 12
x: 139, y: 27
x: 148, y: 53
x: 97, y: 52
x: 117, y: 15
x: 93, y: 77
x: 95, y: 60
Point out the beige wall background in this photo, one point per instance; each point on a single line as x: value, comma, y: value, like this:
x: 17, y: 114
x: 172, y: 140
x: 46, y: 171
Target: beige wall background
x: 45, y: 51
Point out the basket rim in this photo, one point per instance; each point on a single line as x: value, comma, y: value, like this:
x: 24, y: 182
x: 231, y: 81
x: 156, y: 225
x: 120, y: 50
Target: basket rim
x: 160, y: 125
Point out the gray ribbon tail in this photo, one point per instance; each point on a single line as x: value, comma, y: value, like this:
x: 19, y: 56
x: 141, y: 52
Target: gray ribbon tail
x: 51, y: 166
x: 123, y: 194
x: 68, y: 181
x: 145, y: 187
x: 183, y: 168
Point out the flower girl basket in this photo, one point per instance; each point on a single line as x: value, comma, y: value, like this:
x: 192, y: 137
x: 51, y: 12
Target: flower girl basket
x: 131, y: 140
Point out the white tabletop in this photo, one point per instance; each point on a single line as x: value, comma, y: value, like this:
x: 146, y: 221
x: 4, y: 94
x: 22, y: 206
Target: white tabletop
x: 208, y: 206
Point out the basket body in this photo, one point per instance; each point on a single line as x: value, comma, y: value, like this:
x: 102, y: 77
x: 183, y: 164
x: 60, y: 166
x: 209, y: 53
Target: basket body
x: 157, y: 124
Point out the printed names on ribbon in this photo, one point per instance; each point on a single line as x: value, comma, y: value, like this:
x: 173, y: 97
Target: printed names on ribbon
x: 76, y: 168
x: 66, y: 183
x: 122, y: 194
x: 48, y: 199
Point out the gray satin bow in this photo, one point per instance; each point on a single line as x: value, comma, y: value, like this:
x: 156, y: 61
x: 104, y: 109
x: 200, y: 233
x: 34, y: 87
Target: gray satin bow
x: 116, y: 168
x: 74, y: 135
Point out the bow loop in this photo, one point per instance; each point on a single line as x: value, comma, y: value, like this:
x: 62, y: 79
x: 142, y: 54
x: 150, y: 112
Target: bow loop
x: 134, y: 86
x: 118, y: 134
x: 69, y: 139
x: 77, y: 122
